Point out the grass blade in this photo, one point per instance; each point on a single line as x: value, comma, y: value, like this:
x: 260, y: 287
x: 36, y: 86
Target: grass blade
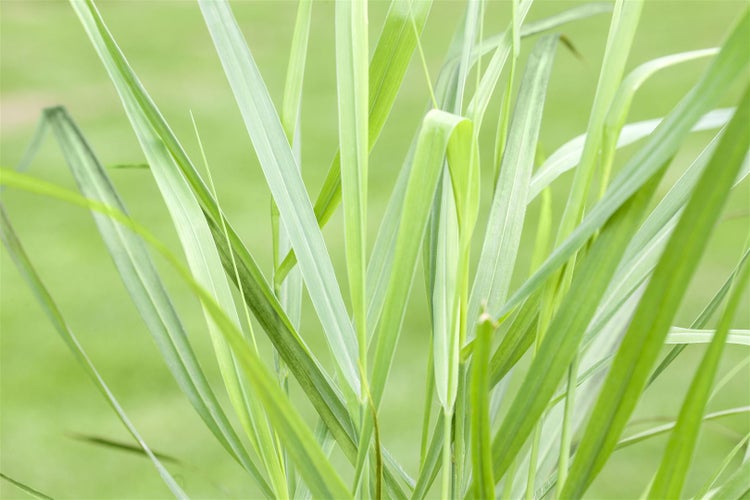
x: 484, y: 484
x: 723, y: 467
x: 561, y: 340
x: 310, y: 459
x: 25, y: 488
x: 22, y: 262
x: 661, y: 146
x: 192, y: 229
x: 146, y: 289
x: 390, y: 60
x: 569, y: 154
x: 352, y: 78
x: 670, y: 478
x: 659, y: 303
x: 315, y: 384
x: 663, y: 429
x: 736, y: 487
x: 678, y: 335
x: 285, y: 182
x: 507, y: 213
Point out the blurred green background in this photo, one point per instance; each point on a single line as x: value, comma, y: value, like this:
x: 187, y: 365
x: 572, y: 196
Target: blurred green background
x: 46, y: 60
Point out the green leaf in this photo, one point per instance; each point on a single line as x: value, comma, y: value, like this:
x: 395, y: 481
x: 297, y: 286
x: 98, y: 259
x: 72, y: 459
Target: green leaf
x: 352, y: 78
x: 185, y: 211
x: 670, y: 478
x: 24, y: 266
x: 569, y: 154
x: 314, y: 383
x: 665, y: 428
x: 304, y: 450
x: 391, y: 57
x: 679, y: 335
x: 285, y: 182
x: 561, y: 340
x: 483, y: 482
x: 660, y: 147
x: 736, y: 487
x: 442, y: 133
x: 702, y: 493
x: 508, y: 210
x: 25, y: 488
x: 146, y: 288
x: 652, y: 318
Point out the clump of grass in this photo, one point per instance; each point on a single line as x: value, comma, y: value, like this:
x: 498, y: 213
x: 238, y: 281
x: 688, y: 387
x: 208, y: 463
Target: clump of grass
x: 591, y: 318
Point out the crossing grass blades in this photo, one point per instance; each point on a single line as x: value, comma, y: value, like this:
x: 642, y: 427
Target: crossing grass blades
x: 581, y: 336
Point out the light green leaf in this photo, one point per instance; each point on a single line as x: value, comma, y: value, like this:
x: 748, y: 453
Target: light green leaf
x: 652, y: 318
x: 670, y: 478
x: 679, y: 335
x: 24, y: 266
x: 312, y: 463
x: 507, y: 213
x: 390, y: 60
x: 351, y: 79
x: 481, y: 451
x: 660, y: 147
x: 665, y: 428
x: 285, y: 182
x: 192, y: 228
x: 561, y: 340
x: 146, y: 288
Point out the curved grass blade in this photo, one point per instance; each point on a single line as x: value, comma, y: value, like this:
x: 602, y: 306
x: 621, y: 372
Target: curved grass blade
x: 285, y: 182
x: 560, y: 342
x: 620, y: 106
x: 258, y: 295
x: 670, y: 478
x: 736, y: 487
x: 185, y: 211
x: 22, y: 262
x: 146, y: 289
x: 702, y: 493
x: 442, y: 134
x: 569, y: 154
x: 310, y: 459
x: 651, y: 321
x: 661, y: 146
x: 531, y: 28
x: 663, y: 429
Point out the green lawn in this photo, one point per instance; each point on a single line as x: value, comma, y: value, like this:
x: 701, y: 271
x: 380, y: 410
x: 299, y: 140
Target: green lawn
x: 46, y: 59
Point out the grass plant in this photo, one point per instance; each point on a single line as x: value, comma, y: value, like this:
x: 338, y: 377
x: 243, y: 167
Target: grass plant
x: 529, y: 387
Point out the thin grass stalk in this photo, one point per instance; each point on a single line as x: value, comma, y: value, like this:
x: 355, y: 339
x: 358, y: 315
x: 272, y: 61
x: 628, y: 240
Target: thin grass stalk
x: 290, y: 291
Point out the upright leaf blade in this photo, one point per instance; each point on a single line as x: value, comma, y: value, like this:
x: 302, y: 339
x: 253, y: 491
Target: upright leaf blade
x: 507, y: 213
x: 285, y: 182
